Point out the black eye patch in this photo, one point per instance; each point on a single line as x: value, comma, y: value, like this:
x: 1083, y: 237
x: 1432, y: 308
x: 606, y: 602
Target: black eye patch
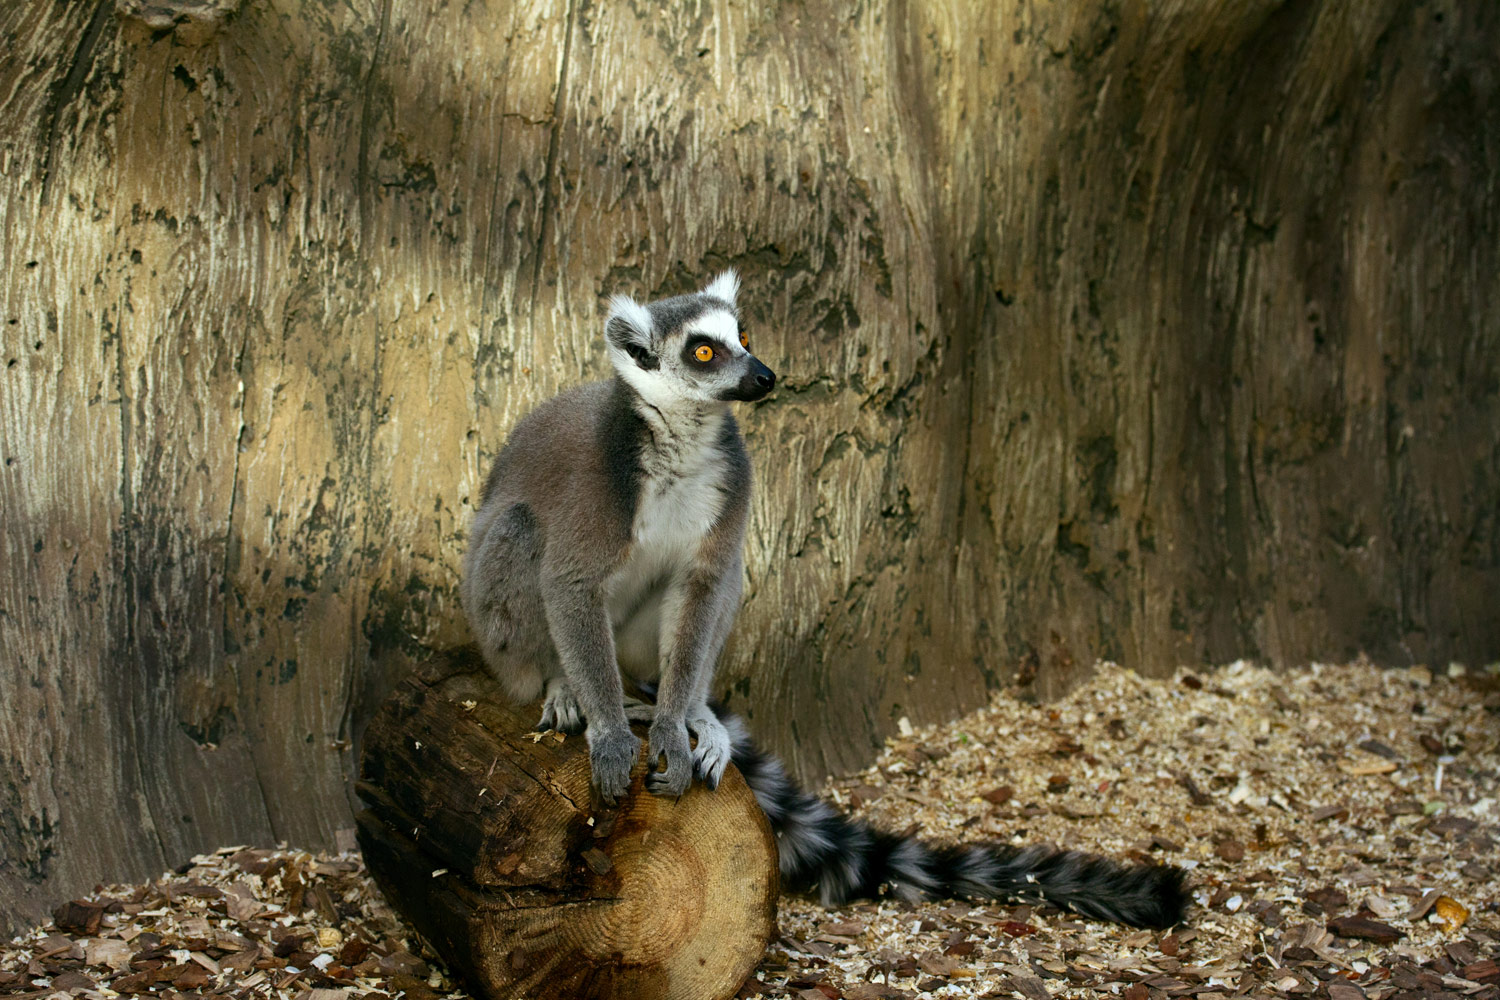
x: 703, y: 352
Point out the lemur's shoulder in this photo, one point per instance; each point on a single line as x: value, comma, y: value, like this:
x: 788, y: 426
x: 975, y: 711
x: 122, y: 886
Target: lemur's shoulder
x: 585, y: 440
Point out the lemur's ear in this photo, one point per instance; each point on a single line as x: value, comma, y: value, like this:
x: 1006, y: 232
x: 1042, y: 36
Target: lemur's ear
x: 726, y: 286
x: 629, y: 329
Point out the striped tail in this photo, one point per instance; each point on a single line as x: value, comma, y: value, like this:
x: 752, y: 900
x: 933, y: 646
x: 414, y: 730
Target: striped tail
x: 849, y: 859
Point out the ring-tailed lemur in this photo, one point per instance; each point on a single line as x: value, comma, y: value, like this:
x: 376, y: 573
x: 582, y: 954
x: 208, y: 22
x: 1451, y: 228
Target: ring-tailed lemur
x: 610, y: 532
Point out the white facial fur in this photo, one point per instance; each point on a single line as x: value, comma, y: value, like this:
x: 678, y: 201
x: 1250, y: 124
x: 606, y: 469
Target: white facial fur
x: 726, y: 286
x: 632, y: 312
x: 721, y: 326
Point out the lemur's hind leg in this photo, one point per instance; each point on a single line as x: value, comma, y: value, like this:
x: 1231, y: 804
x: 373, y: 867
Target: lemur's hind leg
x: 502, y: 599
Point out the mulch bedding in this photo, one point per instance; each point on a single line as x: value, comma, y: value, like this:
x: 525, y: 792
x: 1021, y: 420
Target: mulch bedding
x: 1339, y: 824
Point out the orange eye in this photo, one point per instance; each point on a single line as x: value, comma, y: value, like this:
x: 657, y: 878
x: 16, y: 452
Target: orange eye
x: 704, y: 353
x: 744, y: 340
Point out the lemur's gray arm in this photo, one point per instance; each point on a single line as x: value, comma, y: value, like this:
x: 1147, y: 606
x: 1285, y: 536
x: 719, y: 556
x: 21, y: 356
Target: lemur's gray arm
x: 731, y: 589
x: 579, y: 624
x: 694, y: 626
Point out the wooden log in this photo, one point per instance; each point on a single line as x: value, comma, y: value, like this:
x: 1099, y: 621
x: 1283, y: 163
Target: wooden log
x: 484, y: 836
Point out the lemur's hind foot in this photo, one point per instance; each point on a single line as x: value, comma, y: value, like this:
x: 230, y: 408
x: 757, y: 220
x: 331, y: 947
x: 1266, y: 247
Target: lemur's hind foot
x: 711, y: 755
x: 560, y: 710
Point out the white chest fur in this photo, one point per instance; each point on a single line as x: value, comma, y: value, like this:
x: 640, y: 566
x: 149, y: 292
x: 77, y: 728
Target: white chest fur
x: 681, y: 496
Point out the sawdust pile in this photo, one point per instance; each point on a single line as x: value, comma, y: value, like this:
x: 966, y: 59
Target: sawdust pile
x: 1340, y: 824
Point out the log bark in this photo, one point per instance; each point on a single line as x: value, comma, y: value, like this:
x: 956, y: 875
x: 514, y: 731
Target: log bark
x: 1164, y: 331
x: 484, y: 837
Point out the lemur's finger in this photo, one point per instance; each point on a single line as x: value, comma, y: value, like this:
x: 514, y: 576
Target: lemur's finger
x: 670, y: 740
x: 672, y: 782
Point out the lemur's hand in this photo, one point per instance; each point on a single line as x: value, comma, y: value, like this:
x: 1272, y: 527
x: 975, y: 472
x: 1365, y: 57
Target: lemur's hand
x: 612, y: 753
x: 669, y: 738
x: 711, y: 755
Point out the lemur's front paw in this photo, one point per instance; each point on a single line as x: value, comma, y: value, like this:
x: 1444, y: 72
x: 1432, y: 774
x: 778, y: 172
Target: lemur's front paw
x: 711, y: 755
x: 612, y: 754
x: 560, y: 711
x: 669, y: 739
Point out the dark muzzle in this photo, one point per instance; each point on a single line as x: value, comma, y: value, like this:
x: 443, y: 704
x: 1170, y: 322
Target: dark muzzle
x: 755, y: 383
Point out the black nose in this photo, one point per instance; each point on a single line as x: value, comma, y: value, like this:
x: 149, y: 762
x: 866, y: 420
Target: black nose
x: 761, y: 379
x: 753, y: 384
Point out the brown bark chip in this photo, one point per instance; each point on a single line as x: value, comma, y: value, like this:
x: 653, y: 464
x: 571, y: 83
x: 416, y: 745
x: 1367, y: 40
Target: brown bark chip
x: 1365, y: 928
x: 1335, y: 811
x: 1029, y: 987
x: 68, y: 981
x: 79, y: 916
x: 598, y: 861
x: 1230, y: 850
x: 876, y: 991
x: 1486, y: 972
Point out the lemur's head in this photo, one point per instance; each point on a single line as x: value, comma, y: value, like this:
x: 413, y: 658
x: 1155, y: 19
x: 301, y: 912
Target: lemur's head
x: 689, y: 348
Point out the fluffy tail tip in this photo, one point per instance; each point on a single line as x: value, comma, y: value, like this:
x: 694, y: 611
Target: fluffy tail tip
x: 1168, y: 897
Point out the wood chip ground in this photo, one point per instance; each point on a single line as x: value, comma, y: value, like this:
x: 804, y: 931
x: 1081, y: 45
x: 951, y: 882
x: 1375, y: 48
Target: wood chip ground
x: 1340, y: 824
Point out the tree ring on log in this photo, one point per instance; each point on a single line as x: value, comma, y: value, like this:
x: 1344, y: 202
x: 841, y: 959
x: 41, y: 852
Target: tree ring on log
x: 670, y: 868
x: 484, y: 835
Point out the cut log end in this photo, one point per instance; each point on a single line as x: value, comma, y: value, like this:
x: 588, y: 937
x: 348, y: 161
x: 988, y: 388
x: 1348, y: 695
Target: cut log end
x: 487, y: 841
